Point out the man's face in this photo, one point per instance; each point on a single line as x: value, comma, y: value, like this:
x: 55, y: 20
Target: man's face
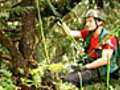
x: 91, y: 24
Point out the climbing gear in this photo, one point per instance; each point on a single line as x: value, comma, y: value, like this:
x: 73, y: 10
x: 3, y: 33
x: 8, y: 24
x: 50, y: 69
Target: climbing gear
x: 103, y: 40
x: 113, y: 66
x: 83, y: 57
x: 99, y: 14
x: 42, y: 31
x: 91, y: 13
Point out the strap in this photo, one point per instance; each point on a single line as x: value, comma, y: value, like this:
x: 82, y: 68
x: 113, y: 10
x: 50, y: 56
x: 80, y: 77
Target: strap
x: 87, y: 42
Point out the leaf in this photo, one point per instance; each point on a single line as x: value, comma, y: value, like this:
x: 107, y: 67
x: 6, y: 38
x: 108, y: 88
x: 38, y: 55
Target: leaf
x: 111, y: 87
x: 1, y: 88
x: 6, y: 72
x: 20, y: 70
x: 112, y: 4
x: 4, y: 15
x: 26, y: 81
x: 56, y: 67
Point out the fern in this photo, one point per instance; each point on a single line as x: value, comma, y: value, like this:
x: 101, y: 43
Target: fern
x: 17, y: 10
x: 21, y: 10
x: 4, y: 15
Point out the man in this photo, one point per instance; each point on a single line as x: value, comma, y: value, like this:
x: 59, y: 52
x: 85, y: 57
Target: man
x: 93, y: 35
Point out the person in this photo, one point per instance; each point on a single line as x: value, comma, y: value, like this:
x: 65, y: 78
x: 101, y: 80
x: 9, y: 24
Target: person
x: 97, y: 66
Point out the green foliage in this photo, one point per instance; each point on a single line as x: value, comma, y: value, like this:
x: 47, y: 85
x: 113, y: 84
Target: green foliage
x: 6, y: 82
x: 6, y: 72
x: 7, y: 12
x: 21, y: 10
x: 4, y: 15
x: 112, y: 15
x: 65, y: 86
x: 55, y: 68
x: 36, y: 75
x: 45, y: 74
x: 58, y: 45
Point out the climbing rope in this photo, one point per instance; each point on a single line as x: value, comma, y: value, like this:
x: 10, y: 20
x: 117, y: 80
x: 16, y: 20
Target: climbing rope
x: 42, y: 32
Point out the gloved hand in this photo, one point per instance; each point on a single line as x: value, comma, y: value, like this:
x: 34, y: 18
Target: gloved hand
x: 78, y: 67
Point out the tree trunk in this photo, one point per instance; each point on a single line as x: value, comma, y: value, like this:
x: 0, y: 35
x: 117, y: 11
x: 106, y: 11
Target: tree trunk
x: 27, y: 42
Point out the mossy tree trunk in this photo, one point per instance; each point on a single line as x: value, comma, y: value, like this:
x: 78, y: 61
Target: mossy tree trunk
x: 21, y: 54
x: 27, y: 42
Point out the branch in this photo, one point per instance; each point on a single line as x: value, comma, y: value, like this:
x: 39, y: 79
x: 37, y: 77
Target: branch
x: 4, y: 56
x: 40, y: 39
x: 2, y: 1
x: 17, y: 33
x: 17, y: 58
x: 17, y: 4
x: 11, y: 30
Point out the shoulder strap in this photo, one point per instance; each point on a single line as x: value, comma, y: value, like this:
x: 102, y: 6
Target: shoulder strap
x: 103, y: 34
x: 88, y: 38
x: 87, y: 41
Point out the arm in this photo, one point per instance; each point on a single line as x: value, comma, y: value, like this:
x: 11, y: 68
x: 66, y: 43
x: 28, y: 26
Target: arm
x: 75, y: 34
x: 100, y: 61
x: 105, y: 53
x: 68, y: 32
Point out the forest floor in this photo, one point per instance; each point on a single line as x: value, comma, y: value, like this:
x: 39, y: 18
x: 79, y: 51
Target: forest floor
x: 114, y: 85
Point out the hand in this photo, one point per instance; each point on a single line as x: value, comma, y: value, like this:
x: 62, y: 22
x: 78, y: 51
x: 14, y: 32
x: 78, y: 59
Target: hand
x: 78, y: 67
x: 66, y: 30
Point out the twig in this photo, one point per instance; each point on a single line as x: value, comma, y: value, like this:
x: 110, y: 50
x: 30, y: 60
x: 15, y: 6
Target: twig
x: 4, y: 56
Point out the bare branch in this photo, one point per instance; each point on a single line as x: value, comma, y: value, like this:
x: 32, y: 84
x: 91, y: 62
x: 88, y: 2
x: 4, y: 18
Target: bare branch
x: 17, y: 58
x: 4, y: 56
x: 2, y: 1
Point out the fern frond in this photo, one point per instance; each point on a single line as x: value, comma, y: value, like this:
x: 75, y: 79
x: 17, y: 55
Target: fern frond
x: 21, y: 10
x: 4, y: 12
x: 4, y: 15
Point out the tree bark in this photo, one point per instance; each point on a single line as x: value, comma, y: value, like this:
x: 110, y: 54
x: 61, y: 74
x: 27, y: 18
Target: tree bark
x: 27, y: 42
x: 26, y: 48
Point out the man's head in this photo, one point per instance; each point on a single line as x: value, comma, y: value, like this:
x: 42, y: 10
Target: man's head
x: 94, y: 19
